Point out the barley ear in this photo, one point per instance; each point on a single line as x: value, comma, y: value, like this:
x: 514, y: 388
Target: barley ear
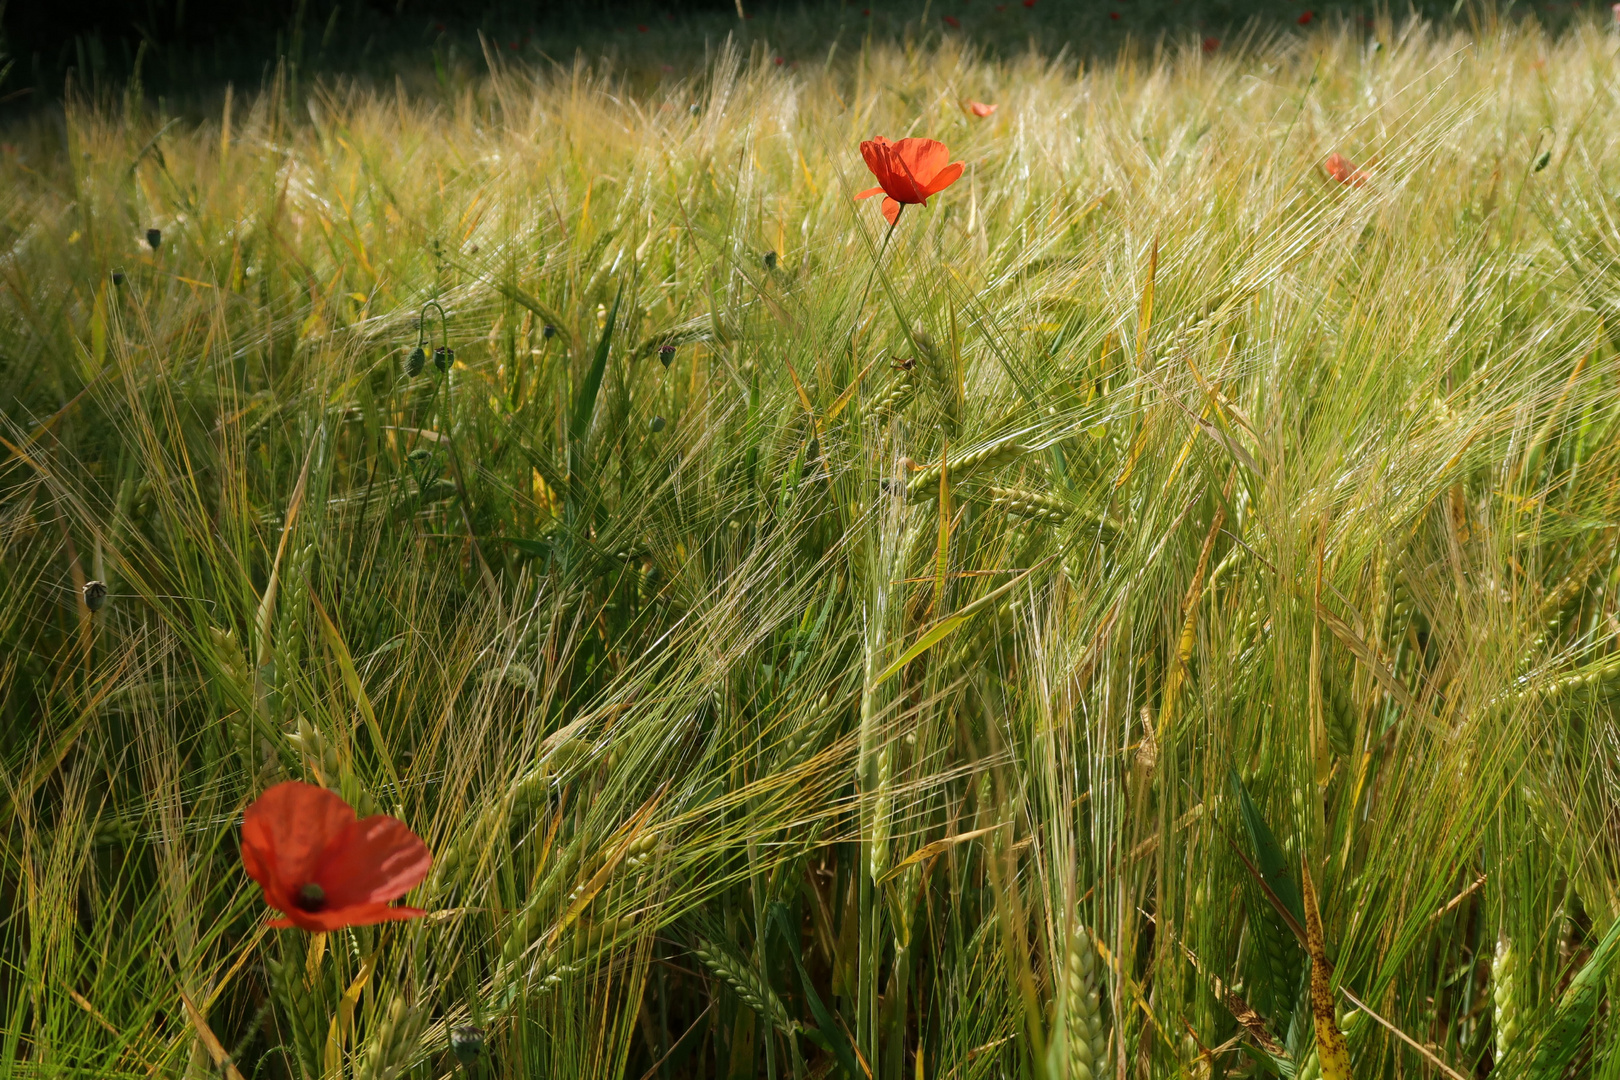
x: 1504, y: 1000
x: 1330, y: 1046
x: 396, y: 1042
x: 299, y: 1003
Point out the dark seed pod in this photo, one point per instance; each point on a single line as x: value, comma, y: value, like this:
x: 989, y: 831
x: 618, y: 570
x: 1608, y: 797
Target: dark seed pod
x: 415, y: 362
x: 549, y: 332
x: 1546, y: 155
x: 659, y: 423
x: 117, y: 277
x: 467, y: 1043
x: 443, y: 358
x: 770, y: 260
x: 666, y: 353
x: 95, y: 594
x: 154, y: 237
x: 694, y: 110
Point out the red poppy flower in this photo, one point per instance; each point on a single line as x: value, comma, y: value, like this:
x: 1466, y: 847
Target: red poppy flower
x: 908, y: 171
x: 952, y: 20
x: 1344, y: 170
x: 1029, y: 3
x: 1211, y: 44
x: 1305, y: 19
x: 980, y: 109
x: 323, y: 869
x: 1113, y: 14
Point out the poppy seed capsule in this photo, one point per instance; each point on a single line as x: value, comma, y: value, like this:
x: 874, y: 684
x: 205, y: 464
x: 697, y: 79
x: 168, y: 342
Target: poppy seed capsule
x: 467, y: 1043
x: 117, y: 277
x: 154, y: 237
x: 443, y: 358
x: 666, y: 353
x: 415, y: 362
x: 95, y: 594
x: 770, y: 260
x: 659, y: 423
x: 549, y: 332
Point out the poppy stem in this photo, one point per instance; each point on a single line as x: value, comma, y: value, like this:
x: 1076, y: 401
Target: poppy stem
x: 867, y: 291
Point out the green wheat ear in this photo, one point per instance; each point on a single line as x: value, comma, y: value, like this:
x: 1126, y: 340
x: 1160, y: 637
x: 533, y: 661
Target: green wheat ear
x: 1088, y: 1039
x: 395, y: 1044
x: 1505, y: 1024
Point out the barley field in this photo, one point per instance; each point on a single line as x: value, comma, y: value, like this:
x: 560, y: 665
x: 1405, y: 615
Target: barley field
x: 1150, y: 613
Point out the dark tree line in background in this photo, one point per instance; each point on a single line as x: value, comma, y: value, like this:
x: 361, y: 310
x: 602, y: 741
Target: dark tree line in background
x: 185, y: 48
x: 176, y: 45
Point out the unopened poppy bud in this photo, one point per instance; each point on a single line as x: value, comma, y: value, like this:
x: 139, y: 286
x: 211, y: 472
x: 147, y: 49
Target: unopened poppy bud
x: 117, y: 277
x: 1541, y: 162
x: 659, y: 423
x: 770, y: 260
x: 467, y: 1043
x: 154, y: 237
x: 549, y: 332
x: 415, y: 362
x: 420, y: 454
x: 95, y: 594
x: 666, y: 353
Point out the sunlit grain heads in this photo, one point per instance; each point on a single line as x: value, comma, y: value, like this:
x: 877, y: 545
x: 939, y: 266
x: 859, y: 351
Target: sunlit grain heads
x: 467, y: 1043
x: 154, y: 238
x: 658, y: 424
x: 95, y: 594
x: 1505, y: 1012
x: 415, y: 362
x: 666, y: 354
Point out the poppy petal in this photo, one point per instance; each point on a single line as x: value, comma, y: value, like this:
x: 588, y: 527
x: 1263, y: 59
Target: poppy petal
x: 945, y: 178
x: 903, y: 186
x: 875, y: 151
x: 891, y: 210
x: 867, y: 194
x: 339, y: 918
x: 923, y: 159
x: 284, y: 834
x: 371, y: 861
